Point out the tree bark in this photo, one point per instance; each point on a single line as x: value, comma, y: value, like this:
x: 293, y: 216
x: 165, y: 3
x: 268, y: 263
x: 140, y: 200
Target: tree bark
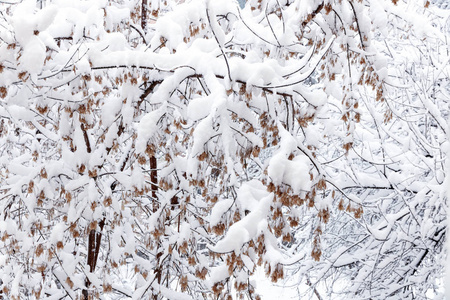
x: 94, y: 241
x: 144, y: 14
x: 154, y: 180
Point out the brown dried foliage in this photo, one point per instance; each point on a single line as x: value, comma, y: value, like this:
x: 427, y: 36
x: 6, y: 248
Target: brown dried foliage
x: 107, y: 201
x: 184, y: 283
x: 59, y: 245
x: 30, y: 187
x: 201, y: 274
x: 69, y: 282
x: 316, y: 252
x: 3, y: 92
x: 278, y: 273
x: 39, y: 250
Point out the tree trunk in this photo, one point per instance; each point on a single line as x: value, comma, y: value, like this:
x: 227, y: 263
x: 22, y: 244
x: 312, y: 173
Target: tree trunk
x: 94, y: 241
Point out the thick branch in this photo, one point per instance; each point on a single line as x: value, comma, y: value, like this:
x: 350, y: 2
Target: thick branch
x: 144, y: 14
x: 86, y: 139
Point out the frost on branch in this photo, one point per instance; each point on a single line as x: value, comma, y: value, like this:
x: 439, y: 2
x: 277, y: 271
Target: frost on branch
x: 172, y: 156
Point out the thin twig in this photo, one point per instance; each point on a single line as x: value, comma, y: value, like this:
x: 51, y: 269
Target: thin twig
x: 217, y: 40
